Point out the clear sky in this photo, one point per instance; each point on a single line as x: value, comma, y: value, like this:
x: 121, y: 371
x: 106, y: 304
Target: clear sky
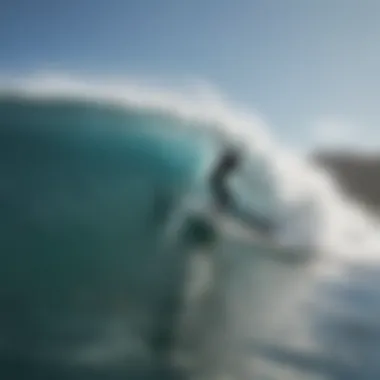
x: 301, y: 63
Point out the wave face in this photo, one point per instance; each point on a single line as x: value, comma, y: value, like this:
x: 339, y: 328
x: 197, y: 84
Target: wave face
x: 92, y: 283
x: 85, y: 195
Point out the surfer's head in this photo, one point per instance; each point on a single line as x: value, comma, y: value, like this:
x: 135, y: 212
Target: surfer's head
x: 230, y: 159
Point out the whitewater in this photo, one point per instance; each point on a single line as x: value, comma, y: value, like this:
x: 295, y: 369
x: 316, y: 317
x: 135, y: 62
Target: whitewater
x: 96, y: 179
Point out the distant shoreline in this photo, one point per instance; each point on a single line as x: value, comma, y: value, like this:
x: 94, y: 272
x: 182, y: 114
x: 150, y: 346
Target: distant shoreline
x: 358, y: 175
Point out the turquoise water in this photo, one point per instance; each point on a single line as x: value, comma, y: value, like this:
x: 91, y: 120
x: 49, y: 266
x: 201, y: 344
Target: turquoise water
x: 93, y: 285
x: 86, y: 190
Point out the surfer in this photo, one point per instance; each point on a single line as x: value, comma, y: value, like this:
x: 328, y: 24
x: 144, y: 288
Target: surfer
x: 224, y: 201
x: 229, y: 162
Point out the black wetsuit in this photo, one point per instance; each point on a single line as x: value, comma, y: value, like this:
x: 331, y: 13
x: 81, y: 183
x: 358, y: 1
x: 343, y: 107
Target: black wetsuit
x: 229, y: 162
x: 223, y: 198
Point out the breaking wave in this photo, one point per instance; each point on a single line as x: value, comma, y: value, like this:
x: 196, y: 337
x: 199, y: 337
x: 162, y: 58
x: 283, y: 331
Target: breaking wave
x: 91, y: 171
x: 300, y: 191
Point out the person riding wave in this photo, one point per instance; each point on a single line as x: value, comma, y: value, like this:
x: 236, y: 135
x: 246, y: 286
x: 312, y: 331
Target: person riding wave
x: 229, y: 162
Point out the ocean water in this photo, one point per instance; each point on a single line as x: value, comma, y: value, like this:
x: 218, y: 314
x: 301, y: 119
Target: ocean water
x: 98, y: 280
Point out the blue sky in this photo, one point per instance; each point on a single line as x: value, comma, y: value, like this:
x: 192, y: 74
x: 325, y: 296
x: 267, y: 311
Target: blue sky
x: 301, y: 63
